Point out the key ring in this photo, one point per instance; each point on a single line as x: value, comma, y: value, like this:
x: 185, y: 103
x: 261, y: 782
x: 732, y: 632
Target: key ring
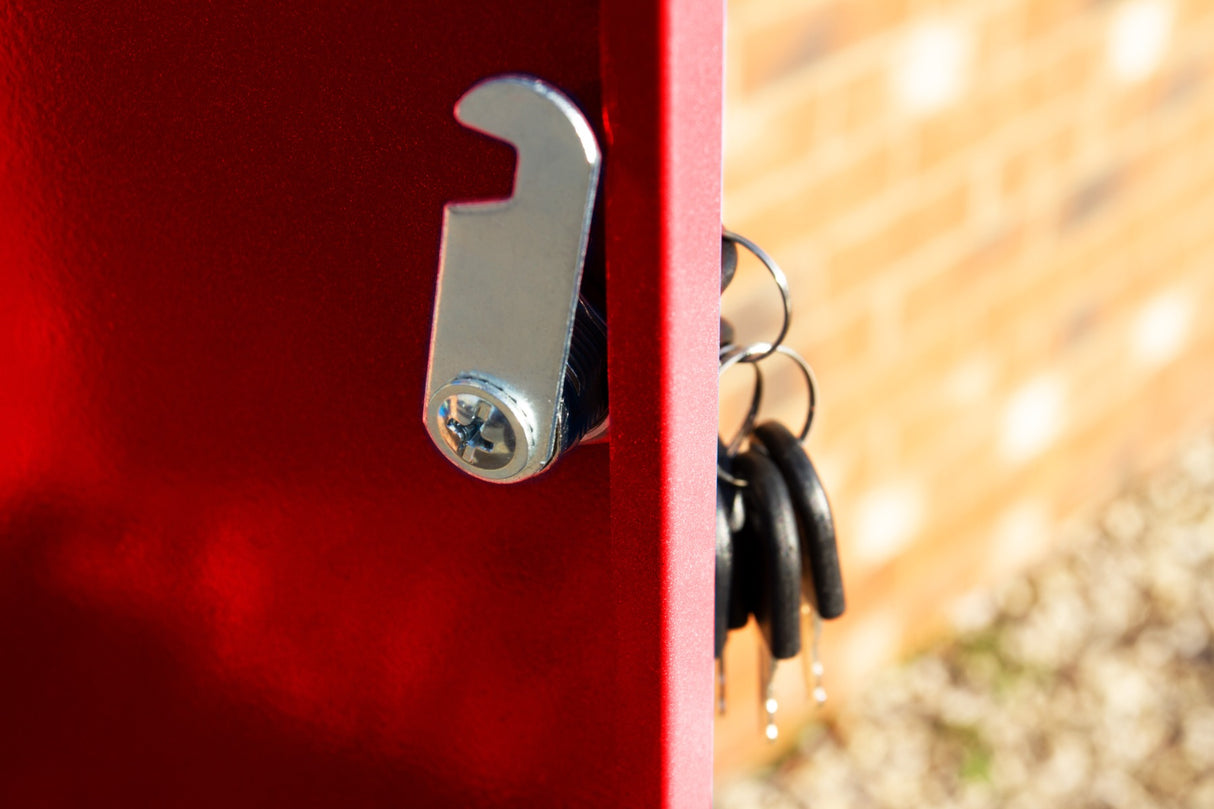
x: 752, y: 354
x: 748, y: 424
x: 752, y: 414
x: 778, y: 276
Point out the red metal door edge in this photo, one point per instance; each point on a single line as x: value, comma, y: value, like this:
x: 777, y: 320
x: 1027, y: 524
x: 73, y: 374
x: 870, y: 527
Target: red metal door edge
x: 662, y: 70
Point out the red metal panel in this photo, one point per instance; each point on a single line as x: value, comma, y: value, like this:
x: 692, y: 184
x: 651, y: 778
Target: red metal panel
x: 233, y: 570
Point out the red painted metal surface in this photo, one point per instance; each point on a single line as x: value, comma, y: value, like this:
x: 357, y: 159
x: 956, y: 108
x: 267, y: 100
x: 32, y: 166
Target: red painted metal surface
x: 233, y: 570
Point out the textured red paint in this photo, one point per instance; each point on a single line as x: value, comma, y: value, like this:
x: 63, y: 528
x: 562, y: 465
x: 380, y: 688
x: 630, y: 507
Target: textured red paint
x: 233, y: 571
x: 662, y: 69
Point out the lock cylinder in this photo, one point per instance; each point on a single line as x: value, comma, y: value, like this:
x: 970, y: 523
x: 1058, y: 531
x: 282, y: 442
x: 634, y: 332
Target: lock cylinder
x: 485, y: 427
x: 584, y: 393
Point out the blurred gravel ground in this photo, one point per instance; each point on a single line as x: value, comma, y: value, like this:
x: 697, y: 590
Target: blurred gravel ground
x: 1087, y: 683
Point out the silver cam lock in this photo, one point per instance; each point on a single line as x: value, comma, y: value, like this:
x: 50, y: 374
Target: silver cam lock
x: 516, y: 373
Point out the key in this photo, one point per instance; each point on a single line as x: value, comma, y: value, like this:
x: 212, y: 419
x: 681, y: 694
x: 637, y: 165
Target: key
x: 771, y: 527
x: 741, y: 585
x: 731, y: 607
x: 727, y: 334
x: 724, y: 583
x: 729, y: 266
x: 821, y: 574
x: 729, y: 261
x: 742, y: 582
x: 724, y: 574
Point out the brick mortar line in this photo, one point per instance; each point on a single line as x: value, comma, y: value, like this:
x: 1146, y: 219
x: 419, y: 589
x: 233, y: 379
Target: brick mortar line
x: 930, y: 260
x: 1148, y: 136
x: 846, y: 63
x: 907, y: 404
x: 1083, y: 398
x: 843, y: 150
x: 1007, y: 66
x: 904, y: 402
x: 933, y: 258
x: 1007, y: 70
x: 1009, y: 141
x: 784, y: 184
x: 1080, y: 369
x: 1170, y: 179
x: 1108, y: 400
x: 988, y: 289
x: 914, y: 269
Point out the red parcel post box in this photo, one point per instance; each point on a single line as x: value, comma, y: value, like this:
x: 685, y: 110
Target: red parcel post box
x: 234, y: 571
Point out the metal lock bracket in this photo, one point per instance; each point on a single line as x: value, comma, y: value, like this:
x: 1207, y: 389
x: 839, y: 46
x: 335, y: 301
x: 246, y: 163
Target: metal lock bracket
x: 508, y: 281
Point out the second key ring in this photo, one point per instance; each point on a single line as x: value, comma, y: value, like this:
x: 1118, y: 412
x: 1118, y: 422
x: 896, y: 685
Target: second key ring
x: 753, y: 354
x: 778, y: 276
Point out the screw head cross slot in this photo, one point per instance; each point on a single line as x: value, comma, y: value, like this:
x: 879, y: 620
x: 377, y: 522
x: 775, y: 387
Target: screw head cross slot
x: 478, y: 431
x: 470, y: 435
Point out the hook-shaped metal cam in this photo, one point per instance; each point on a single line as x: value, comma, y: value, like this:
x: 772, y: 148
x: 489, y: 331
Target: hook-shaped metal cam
x: 508, y: 280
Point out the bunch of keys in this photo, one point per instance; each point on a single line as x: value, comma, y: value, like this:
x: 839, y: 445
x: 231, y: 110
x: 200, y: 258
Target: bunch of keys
x: 776, y: 554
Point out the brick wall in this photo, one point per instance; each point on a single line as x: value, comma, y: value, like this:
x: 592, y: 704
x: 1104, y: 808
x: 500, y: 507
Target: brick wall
x: 998, y: 220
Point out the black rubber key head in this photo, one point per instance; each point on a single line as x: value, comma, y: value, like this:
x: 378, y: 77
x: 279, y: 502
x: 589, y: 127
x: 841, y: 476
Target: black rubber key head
x: 726, y: 333
x: 745, y: 575
x: 729, y: 261
x: 724, y: 573
x: 771, y: 528
x: 741, y: 587
x: 822, y: 575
